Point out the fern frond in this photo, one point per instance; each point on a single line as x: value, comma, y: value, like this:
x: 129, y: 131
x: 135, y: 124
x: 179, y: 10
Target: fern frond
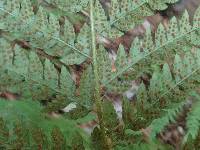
x: 76, y: 56
x: 193, y: 121
x: 158, y: 124
x: 104, y: 62
x: 45, y: 52
x: 121, y: 84
x: 173, y: 34
x: 87, y: 88
x: 40, y: 30
x: 160, y: 4
x: 132, y: 11
x: 102, y: 25
x: 125, y: 10
x: 184, y: 71
x: 75, y: 5
x: 24, y: 126
x: 34, y: 70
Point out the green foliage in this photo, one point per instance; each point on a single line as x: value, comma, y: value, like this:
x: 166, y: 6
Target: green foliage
x: 193, y: 121
x: 160, y: 123
x: 87, y: 87
x: 24, y: 124
x: 45, y: 59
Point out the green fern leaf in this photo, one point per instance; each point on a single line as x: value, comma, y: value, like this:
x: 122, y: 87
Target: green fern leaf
x: 178, y: 68
x: 135, y: 51
x: 196, y: 18
x: 142, y: 97
x: 155, y: 85
x: 86, y: 88
x: 158, y: 124
x: 109, y: 116
x: 160, y: 36
x: 193, y: 121
x: 34, y: 70
x: 160, y: 4
x: 105, y: 70
x: 167, y: 78
x: 16, y: 120
x: 58, y: 139
x: 121, y: 60
x: 76, y: 56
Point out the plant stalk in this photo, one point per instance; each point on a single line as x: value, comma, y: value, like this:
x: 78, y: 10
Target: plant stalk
x: 95, y: 65
x: 98, y: 101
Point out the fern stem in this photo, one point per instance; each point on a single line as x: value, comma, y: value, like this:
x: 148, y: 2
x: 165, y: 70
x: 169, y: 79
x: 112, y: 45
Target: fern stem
x: 96, y: 78
x: 95, y: 65
x: 2, y: 9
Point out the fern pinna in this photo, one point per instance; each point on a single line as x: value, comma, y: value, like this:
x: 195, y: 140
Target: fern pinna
x: 54, y: 53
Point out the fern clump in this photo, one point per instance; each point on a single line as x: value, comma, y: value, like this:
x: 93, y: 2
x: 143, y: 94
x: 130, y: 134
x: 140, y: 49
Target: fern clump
x: 64, y: 64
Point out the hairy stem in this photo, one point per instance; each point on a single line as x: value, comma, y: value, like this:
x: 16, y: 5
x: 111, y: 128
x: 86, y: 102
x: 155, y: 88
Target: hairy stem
x: 96, y: 76
x: 95, y: 65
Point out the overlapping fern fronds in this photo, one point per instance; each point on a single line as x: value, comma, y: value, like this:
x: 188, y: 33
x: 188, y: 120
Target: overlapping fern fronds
x: 39, y: 49
x: 24, y: 126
